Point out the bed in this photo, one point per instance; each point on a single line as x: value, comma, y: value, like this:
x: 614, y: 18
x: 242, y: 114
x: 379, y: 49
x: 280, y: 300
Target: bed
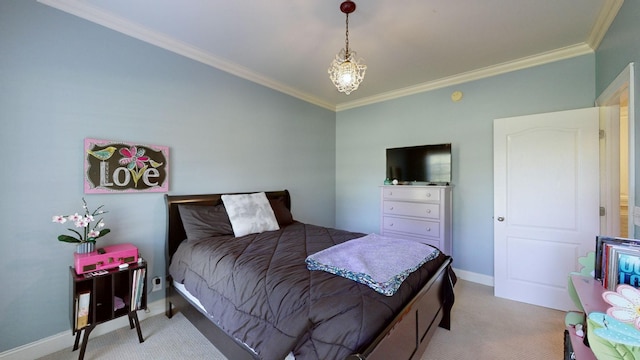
x: 278, y: 314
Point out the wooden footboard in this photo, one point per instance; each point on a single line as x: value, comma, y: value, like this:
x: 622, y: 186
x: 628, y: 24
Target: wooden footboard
x: 407, y: 336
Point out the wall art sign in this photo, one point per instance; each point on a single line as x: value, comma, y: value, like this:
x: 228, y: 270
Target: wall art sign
x: 116, y: 167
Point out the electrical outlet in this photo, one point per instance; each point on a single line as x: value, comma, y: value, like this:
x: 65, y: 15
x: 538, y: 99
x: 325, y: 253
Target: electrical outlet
x: 157, y: 284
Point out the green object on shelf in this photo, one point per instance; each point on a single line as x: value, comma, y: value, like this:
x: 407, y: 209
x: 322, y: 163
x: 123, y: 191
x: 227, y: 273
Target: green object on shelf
x: 588, y: 267
x: 572, y: 318
x: 588, y: 264
x: 611, y: 339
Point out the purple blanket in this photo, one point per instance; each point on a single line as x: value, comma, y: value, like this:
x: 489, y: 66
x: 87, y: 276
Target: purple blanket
x: 380, y: 262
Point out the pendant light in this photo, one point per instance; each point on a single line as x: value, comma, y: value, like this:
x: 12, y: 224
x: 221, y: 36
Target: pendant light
x: 345, y: 71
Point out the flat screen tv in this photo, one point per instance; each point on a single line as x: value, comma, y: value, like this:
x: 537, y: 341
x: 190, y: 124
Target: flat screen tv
x: 424, y: 164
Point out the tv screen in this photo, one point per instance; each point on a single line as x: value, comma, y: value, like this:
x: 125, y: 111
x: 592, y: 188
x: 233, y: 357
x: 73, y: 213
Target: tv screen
x: 430, y: 164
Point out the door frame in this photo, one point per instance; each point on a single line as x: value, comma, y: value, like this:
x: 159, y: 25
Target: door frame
x: 610, y: 97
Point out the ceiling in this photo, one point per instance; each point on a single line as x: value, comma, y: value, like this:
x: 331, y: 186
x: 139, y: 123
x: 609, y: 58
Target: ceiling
x: 408, y: 46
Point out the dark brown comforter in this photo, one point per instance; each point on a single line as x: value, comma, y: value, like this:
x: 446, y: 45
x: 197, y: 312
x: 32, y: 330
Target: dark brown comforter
x: 260, y: 291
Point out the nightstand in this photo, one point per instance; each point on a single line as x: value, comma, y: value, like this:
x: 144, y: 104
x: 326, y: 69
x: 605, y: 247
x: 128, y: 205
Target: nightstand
x: 103, y: 297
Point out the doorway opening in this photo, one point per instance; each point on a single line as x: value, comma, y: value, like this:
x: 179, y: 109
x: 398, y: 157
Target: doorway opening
x: 617, y: 160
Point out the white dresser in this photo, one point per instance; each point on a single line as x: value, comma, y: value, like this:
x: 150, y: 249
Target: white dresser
x: 417, y: 212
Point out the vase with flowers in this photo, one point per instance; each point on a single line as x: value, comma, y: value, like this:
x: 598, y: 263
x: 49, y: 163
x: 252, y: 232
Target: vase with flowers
x: 90, y: 228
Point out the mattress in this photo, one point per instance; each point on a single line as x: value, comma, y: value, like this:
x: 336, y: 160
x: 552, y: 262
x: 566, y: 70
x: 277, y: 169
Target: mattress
x: 194, y: 300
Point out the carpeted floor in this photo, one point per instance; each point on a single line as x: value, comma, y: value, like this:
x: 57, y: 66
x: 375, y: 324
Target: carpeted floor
x: 483, y: 328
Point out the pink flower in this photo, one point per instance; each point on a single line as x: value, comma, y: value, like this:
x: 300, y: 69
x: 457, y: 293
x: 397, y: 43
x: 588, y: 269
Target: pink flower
x: 133, y: 157
x: 88, y: 232
x: 626, y: 304
x: 59, y: 219
x: 82, y: 222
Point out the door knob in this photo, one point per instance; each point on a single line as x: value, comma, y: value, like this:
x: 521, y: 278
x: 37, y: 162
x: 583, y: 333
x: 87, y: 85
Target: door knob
x: 500, y: 218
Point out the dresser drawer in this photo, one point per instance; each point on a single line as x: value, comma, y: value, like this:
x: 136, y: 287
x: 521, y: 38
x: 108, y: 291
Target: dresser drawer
x: 421, y: 239
x: 411, y: 226
x: 411, y: 193
x: 423, y: 210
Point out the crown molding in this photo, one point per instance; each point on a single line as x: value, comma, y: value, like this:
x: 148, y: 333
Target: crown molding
x: 108, y: 20
x: 608, y: 12
x: 95, y: 15
x: 506, y: 67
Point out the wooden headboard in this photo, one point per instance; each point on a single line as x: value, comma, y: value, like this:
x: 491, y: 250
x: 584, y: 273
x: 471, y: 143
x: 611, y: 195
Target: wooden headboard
x: 175, y: 229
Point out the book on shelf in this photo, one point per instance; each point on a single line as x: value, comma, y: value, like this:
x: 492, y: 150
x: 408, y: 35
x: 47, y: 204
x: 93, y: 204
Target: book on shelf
x: 137, y: 288
x: 82, y: 310
x: 600, y: 254
x: 141, y: 285
x: 617, y: 262
x: 628, y: 267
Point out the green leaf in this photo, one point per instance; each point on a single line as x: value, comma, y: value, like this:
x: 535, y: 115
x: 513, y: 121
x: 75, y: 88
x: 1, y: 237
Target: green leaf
x: 605, y: 349
x: 136, y: 175
x: 67, y: 238
x: 77, y: 233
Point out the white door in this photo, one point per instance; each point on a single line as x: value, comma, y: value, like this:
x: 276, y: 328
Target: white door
x: 546, y: 203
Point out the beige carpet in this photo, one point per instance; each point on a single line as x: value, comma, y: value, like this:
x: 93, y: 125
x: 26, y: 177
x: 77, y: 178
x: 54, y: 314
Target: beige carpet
x: 488, y: 328
x: 483, y: 328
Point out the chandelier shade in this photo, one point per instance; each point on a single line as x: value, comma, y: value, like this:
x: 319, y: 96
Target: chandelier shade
x: 346, y: 72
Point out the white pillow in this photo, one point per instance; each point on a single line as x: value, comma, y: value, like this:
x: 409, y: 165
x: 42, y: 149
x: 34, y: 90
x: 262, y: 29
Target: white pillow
x: 250, y: 213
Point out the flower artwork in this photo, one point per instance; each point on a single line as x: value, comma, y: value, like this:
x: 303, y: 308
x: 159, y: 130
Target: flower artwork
x: 87, y: 228
x: 614, y: 331
x: 615, y: 335
x: 625, y: 303
x: 112, y: 167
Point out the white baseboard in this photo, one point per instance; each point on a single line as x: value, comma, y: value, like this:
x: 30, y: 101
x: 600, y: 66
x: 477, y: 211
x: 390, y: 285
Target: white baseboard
x: 65, y: 339
x: 474, y: 277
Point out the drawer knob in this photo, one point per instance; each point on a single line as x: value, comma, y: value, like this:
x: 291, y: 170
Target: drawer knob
x: 390, y: 225
x: 428, y: 211
x: 428, y: 194
x: 391, y: 208
x: 428, y: 229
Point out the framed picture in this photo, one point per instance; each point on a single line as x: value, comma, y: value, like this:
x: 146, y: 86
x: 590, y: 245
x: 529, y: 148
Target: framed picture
x: 117, y: 167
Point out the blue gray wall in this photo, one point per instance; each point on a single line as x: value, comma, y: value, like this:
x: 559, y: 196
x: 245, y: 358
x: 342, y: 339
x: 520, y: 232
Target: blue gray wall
x: 63, y: 79
x: 364, y: 133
